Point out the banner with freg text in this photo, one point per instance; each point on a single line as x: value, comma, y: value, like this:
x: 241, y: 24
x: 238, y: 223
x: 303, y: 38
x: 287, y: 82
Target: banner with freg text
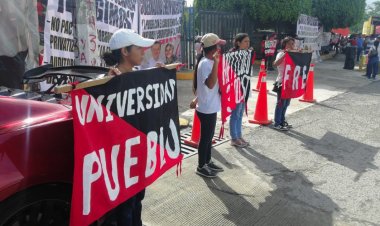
x: 295, y: 74
x: 161, y: 20
x: 126, y: 135
x: 234, y: 74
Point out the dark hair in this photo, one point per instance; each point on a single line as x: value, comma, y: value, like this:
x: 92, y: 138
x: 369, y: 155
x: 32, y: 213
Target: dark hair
x: 197, y: 39
x: 205, y: 51
x: 239, y: 38
x: 376, y: 43
x: 169, y: 45
x: 285, y: 41
x: 156, y: 42
x: 114, y: 57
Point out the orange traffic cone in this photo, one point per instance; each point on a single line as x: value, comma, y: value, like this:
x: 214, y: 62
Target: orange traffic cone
x: 193, y: 141
x: 309, y: 93
x: 262, y: 69
x: 261, y: 112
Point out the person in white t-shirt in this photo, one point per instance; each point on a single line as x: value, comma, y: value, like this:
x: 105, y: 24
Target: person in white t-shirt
x: 155, y: 60
x: 206, y: 89
x: 282, y: 104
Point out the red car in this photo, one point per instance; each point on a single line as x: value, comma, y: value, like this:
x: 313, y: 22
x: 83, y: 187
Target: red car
x: 36, y: 150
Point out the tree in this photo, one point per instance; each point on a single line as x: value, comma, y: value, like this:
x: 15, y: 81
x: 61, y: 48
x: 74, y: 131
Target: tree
x: 278, y: 14
x: 338, y: 13
x: 265, y: 13
x: 373, y: 10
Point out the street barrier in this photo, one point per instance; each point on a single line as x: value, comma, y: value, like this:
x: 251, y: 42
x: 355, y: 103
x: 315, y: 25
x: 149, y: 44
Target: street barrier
x: 261, y: 111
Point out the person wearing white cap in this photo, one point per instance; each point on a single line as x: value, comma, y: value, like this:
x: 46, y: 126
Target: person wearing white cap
x: 207, y: 101
x: 127, y: 52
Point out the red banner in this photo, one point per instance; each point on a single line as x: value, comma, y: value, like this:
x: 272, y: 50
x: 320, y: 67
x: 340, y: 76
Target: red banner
x: 295, y: 74
x: 234, y: 75
x: 126, y: 136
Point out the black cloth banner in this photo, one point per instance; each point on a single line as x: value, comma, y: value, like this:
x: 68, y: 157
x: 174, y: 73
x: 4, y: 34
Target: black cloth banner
x: 295, y: 73
x: 126, y: 135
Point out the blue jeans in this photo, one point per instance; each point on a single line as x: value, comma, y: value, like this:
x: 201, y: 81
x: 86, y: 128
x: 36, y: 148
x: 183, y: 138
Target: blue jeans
x: 236, y: 121
x: 372, y: 67
x: 359, y: 53
x: 281, y: 107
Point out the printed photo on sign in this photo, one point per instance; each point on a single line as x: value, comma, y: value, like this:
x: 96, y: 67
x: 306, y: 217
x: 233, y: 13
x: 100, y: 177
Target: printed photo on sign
x: 161, y: 20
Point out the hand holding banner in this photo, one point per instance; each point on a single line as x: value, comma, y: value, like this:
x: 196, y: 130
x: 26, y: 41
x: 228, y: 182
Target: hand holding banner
x: 234, y: 75
x: 126, y: 135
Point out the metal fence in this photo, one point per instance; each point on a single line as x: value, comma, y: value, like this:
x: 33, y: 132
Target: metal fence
x: 225, y: 24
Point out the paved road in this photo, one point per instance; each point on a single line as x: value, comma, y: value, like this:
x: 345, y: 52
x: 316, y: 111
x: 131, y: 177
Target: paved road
x: 323, y: 172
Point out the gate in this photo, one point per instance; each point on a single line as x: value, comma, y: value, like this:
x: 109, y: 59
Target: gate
x: 225, y: 24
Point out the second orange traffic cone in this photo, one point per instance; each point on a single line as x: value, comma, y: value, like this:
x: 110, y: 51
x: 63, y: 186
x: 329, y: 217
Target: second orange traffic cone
x: 193, y: 141
x: 309, y: 93
x: 262, y: 70
x: 261, y: 112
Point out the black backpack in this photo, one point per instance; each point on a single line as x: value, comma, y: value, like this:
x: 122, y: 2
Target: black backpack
x: 373, y: 53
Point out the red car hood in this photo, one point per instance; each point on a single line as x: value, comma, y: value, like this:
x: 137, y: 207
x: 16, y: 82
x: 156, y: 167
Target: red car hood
x: 16, y: 114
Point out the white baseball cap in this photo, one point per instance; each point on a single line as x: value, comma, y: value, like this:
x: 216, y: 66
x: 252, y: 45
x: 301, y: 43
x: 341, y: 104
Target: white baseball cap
x: 212, y: 39
x: 127, y: 37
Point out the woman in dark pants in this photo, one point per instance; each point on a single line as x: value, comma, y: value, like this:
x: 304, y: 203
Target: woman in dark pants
x: 127, y: 51
x: 208, y: 101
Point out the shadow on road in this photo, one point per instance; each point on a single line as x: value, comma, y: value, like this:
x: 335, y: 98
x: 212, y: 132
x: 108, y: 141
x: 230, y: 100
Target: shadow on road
x: 293, y: 201
x: 346, y: 152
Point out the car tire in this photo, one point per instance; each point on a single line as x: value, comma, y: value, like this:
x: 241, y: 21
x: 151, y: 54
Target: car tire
x: 46, y: 205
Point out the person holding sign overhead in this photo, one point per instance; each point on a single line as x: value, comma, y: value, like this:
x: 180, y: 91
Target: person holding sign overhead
x: 206, y: 88
x: 241, y: 42
x: 288, y: 44
x: 127, y: 52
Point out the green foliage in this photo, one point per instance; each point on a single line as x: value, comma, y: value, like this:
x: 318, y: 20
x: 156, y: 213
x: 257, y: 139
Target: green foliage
x: 373, y: 10
x: 338, y: 13
x: 274, y: 13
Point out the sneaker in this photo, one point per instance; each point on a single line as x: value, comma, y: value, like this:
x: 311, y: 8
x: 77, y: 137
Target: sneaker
x: 245, y: 142
x: 280, y: 128
x: 215, y: 167
x: 287, y: 125
x: 205, y: 172
x: 238, y: 143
